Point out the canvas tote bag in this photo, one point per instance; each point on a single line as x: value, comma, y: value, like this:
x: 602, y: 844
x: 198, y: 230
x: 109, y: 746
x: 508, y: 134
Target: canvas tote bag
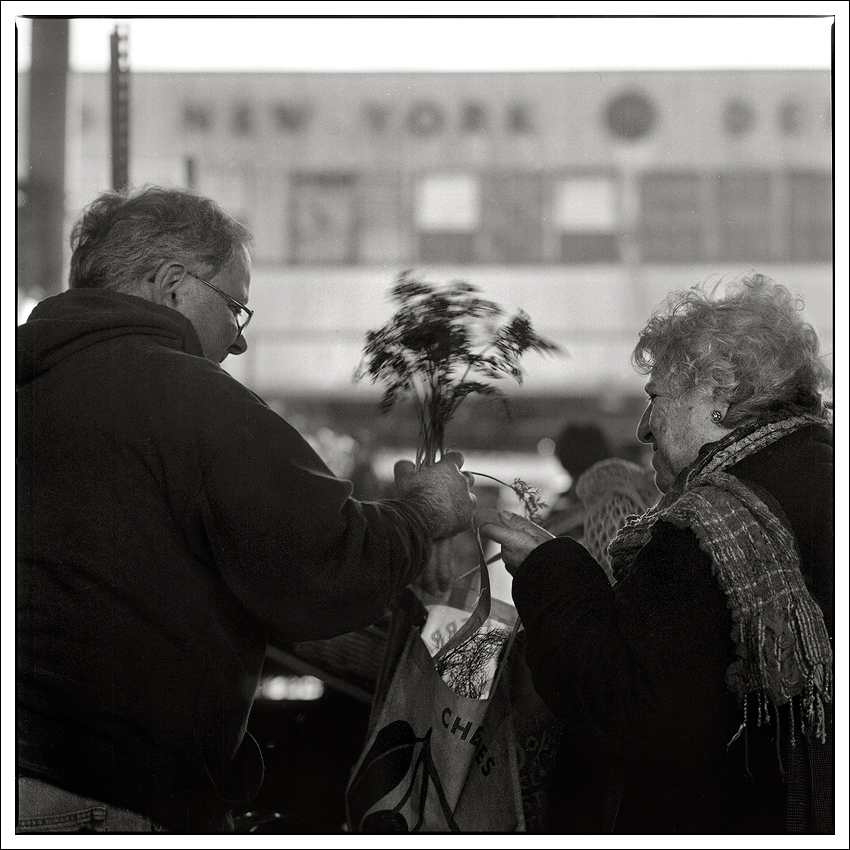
x: 436, y: 761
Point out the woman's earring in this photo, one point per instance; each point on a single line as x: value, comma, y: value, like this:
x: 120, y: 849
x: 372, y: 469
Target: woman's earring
x: 716, y: 417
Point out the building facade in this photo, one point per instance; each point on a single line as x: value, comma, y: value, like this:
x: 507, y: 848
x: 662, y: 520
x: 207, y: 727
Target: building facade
x: 581, y: 197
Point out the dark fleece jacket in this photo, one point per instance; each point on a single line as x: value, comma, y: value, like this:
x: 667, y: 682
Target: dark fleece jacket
x: 167, y: 520
x: 637, y: 672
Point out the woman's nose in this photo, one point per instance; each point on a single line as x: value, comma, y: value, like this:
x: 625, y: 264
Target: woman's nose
x: 238, y: 347
x: 643, y: 432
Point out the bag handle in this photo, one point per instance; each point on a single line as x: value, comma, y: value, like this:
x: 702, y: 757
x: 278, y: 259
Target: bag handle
x: 480, y: 612
x: 505, y: 655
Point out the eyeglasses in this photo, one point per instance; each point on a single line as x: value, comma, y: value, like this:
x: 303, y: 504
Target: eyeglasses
x: 240, y: 311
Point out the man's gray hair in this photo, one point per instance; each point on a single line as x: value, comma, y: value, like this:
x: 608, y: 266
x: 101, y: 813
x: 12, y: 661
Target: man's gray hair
x: 124, y: 237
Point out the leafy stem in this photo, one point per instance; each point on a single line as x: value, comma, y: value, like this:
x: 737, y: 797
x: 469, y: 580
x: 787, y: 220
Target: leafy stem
x: 528, y: 495
x: 443, y: 344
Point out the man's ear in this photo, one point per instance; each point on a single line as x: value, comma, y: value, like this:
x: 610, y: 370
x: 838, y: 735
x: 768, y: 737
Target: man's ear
x: 164, y: 284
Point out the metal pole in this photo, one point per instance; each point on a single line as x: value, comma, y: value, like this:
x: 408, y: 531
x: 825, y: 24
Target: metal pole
x: 41, y: 260
x: 119, y: 77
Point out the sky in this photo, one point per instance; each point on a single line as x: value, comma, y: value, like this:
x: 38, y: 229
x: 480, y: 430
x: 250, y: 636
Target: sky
x: 435, y: 42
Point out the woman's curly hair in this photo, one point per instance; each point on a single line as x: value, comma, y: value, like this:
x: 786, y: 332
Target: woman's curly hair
x: 751, y: 343
x: 124, y: 236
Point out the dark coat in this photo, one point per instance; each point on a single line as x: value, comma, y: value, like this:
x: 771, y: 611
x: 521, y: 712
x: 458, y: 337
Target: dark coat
x: 637, y: 672
x: 167, y: 520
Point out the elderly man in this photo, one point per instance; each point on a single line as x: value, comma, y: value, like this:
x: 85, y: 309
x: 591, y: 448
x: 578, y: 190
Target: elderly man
x: 168, y: 519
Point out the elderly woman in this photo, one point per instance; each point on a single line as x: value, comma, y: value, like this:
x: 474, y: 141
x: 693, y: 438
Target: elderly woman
x: 699, y: 684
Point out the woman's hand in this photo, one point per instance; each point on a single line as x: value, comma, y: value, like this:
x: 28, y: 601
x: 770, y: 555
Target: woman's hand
x: 519, y: 537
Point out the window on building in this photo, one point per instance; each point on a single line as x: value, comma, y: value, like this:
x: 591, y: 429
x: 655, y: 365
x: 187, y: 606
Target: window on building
x: 383, y: 230
x: 586, y: 215
x: 447, y: 216
x: 323, y: 218
x: 672, y: 219
x: 744, y: 214
x: 512, y: 219
x: 810, y: 225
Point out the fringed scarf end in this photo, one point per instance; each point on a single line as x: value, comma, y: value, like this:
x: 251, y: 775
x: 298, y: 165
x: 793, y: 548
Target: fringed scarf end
x: 741, y: 729
x: 778, y: 738
x: 813, y: 720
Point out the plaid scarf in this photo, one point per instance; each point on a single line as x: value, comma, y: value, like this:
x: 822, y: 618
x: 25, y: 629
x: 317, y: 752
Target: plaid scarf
x: 782, y: 646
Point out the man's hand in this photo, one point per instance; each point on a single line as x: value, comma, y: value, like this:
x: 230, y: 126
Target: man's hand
x: 441, y: 492
x: 518, y: 536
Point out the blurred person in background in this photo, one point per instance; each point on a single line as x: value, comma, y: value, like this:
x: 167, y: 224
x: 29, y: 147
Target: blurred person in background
x: 579, y: 445
x: 167, y: 520
x: 611, y: 492
x: 603, y: 491
x: 701, y: 680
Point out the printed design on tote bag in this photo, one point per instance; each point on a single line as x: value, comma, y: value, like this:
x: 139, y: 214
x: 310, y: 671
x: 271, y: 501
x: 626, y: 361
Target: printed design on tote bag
x: 395, y: 761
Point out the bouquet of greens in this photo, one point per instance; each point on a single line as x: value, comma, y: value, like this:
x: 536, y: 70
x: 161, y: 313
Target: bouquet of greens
x: 443, y: 344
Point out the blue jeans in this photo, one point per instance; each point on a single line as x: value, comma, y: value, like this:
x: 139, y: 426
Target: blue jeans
x: 45, y: 808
